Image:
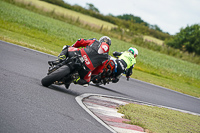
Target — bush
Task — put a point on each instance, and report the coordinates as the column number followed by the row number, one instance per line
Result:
column 188, row 39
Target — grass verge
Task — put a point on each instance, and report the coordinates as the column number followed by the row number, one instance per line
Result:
column 160, row 120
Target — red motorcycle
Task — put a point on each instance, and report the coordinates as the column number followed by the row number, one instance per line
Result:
column 103, row 74
column 61, row 74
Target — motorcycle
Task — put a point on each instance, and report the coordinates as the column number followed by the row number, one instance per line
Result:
column 67, row 71
column 104, row 73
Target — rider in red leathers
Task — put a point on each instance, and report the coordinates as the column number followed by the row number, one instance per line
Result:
column 94, row 53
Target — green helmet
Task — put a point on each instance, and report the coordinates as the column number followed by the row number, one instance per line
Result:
column 134, row 51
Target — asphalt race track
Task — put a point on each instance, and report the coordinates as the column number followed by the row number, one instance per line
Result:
column 28, row 107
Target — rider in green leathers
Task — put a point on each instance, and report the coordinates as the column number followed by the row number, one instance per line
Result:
column 124, row 63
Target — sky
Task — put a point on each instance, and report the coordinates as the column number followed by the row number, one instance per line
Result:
column 169, row 15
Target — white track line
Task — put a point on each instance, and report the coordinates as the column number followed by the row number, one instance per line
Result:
column 79, row 100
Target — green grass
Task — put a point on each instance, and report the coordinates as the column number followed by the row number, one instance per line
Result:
column 47, row 7
column 96, row 25
column 39, row 32
column 160, row 120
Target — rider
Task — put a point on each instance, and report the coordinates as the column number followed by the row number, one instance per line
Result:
column 94, row 53
column 124, row 63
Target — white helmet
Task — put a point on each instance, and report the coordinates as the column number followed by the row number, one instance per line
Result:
column 105, row 39
column 134, row 51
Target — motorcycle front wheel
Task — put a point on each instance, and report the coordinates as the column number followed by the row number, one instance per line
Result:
column 57, row 75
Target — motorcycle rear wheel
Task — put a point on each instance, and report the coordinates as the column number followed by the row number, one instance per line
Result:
column 57, row 75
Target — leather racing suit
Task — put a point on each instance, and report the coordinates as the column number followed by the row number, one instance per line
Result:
column 93, row 52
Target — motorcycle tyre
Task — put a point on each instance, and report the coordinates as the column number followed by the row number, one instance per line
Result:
column 55, row 76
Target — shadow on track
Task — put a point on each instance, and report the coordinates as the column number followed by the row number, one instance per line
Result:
column 75, row 93
column 104, row 88
column 63, row 90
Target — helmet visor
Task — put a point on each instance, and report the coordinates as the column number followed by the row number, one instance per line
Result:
column 131, row 51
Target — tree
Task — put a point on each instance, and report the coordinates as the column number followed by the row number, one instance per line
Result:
column 188, row 39
column 131, row 17
column 155, row 27
column 92, row 7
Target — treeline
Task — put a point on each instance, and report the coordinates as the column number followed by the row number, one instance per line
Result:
column 188, row 39
column 136, row 19
column 135, row 25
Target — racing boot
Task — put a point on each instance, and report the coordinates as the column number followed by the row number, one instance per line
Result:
column 81, row 82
